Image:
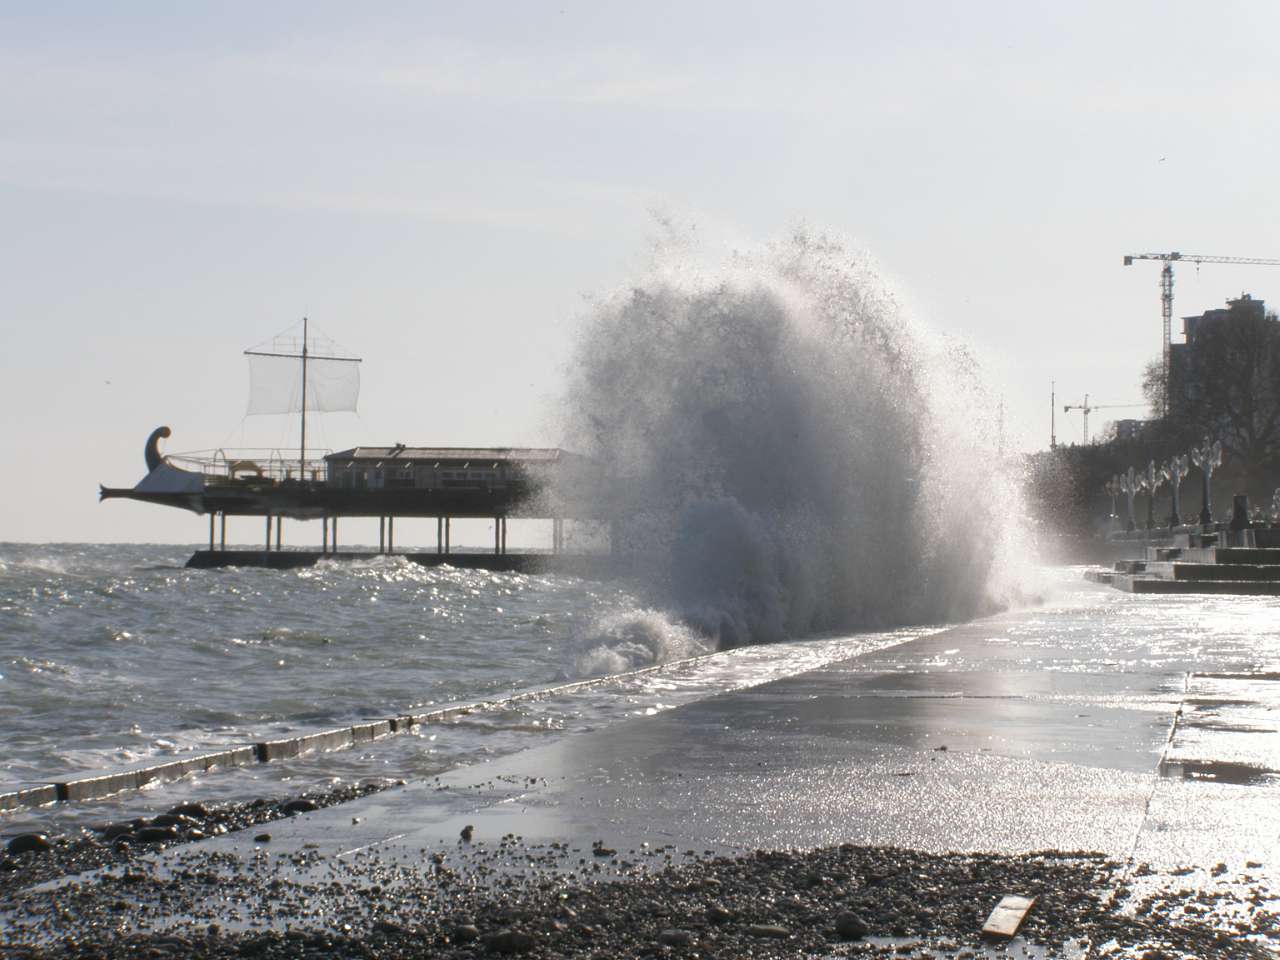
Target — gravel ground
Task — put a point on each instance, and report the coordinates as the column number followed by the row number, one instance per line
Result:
column 506, row 897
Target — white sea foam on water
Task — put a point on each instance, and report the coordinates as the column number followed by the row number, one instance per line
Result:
column 631, row 639
column 786, row 452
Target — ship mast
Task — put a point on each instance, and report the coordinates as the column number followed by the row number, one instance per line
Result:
column 324, row 397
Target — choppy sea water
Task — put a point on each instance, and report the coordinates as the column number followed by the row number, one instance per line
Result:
column 115, row 655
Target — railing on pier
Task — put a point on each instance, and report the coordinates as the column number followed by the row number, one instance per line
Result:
column 261, row 464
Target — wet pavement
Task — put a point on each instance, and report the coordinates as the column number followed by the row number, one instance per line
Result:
column 1143, row 728
column 1084, row 725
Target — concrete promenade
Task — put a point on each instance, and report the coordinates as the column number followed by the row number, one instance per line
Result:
column 1141, row 727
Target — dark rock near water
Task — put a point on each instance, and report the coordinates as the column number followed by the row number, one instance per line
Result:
column 174, row 820
column 29, row 843
column 301, row 805
column 157, row 834
column 850, row 926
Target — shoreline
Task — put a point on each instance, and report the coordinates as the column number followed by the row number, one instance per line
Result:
column 509, row 896
column 912, row 786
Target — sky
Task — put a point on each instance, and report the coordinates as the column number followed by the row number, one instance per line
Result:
column 442, row 188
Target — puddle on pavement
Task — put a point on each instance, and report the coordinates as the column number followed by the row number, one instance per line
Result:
column 1218, row 771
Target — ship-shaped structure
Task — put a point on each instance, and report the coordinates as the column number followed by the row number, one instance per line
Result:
column 384, row 481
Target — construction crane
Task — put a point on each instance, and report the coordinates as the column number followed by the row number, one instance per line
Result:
column 1166, row 295
column 1087, row 408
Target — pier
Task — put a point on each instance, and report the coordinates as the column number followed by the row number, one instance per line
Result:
column 387, row 482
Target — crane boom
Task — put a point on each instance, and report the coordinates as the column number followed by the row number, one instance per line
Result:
column 1199, row 258
column 1166, row 295
column 1087, row 408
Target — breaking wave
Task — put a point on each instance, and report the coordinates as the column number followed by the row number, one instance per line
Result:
column 785, row 452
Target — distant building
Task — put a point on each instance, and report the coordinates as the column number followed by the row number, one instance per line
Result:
column 1128, row 430
column 1183, row 388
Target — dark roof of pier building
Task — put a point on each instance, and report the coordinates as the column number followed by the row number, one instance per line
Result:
column 401, row 451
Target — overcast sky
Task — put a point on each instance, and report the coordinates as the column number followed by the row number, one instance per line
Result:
column 439, row 186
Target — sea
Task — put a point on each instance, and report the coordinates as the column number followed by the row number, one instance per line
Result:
column 115, row 655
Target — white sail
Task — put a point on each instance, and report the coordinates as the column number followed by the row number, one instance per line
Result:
column 275, row 384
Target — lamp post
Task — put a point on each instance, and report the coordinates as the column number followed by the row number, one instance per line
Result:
column 1112, row 487
column 1206, row 457
column 1129, row 486
column 1174, row 472
column 1152, row 480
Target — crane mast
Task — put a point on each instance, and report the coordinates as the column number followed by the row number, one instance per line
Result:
column 1087, row 408
column 1166, row 297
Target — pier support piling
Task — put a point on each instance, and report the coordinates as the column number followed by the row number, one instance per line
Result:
column 391, row 534
column 382, row 535
column 279, row 529
column 211, row 533
column 335, row 534
column 504, row 535
column 268, row 519
column 439, row 535
column 448, row 521
column 222, row 533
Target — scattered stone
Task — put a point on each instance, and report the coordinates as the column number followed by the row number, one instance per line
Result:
column 301, row 805
column 29, row 843
column 262, row 838
column 466, row 833
column 197, row 811
column 466, row 933
column 509, row 941
column 768, row 931
column 672, row 937
column 174, row 820
column 850, row 926
column 156, row 834
column 718, row 913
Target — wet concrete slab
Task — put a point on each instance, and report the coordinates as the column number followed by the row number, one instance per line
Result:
column 949, row 742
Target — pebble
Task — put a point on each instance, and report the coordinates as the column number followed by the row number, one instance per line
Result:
column 768, row 931
column 29, row 843
column 672, row 937
column 718, row 913
column 301, row 805
column 509, row 941
column 850, row 926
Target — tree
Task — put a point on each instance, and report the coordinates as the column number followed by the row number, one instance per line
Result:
column 1226, row 384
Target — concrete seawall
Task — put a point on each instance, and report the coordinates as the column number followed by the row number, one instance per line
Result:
column 99, row 786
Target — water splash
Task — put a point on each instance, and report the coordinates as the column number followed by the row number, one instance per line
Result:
column 632, row 639
column 786, row 452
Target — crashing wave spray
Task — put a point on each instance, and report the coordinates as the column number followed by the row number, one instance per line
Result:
column 785, row 455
